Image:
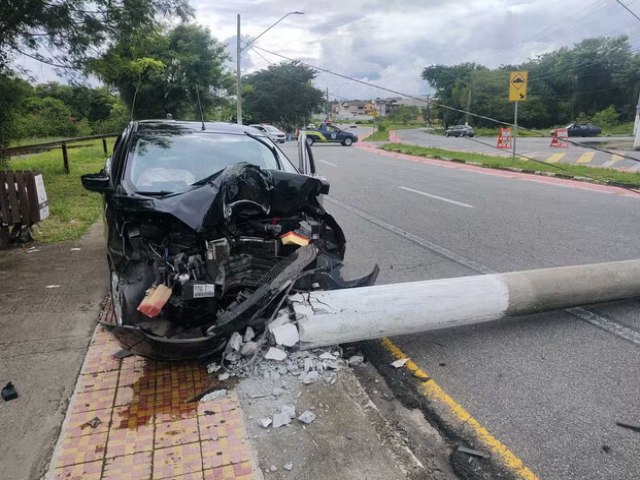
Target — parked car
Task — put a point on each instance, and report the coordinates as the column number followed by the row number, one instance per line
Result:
column 208, row 227
column 580, row 130
column 274, row 133
column 460, row 131
column 330, row 134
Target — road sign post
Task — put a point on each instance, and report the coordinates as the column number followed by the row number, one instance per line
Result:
column 517, row 93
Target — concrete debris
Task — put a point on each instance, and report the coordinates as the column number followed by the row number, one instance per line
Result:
column 308, row 364
column 289, row 410
column 235, row 342
column 249, row 348
column 223, row 376
column 213, row 368
column 280, row 320
column 273, row 468
column 355, row 360
column 265, row 422
column 310, row 377
column 75, row 249
column 249, row 334
column 281, row 419
column 327, row 356
column 331, row 364
column 52, row 286
column 288, row 466
column 275, row 354
column 399, row 363
column 277, row 391
column 286, row 335
column 214, row 395
column 307, row 417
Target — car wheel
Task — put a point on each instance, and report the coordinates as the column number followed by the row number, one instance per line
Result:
column 310, row 141
column 347, row 142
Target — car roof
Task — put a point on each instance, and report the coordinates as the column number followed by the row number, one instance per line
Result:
column 180, row 126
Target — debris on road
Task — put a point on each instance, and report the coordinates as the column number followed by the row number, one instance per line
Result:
column 288, row 466
column 223, row 376
column 472, row 452
column 289, row 410
column 307, row 417
column 235, row 342
column 399, row 363
column 275, row 354
column 286, row 335
column 214, row 395
column 355, row 360
column 635, row 428
column 281, row 419
column 93, row 423
column 120, row 354
column 265, row 422
column 9, row 392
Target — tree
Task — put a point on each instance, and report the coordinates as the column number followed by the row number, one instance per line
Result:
column 163, row 72
column 281, row 94
column 70, row 28
column 404, row 114
column 45, row 117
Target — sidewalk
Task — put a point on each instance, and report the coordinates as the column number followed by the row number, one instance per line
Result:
column 132, row 418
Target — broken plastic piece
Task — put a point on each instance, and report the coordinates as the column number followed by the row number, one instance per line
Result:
column 93, row 423
column 475, row 453
column 9, row 392
column 292, row 238
column 399, row 363
column 156, row 298
column 120, row 354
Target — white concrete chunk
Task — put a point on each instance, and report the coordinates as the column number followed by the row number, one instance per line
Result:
column 286, row 334
column 281, row 419
column 289, row 410
column 307, row 417
column 275, row 354
column 265, row 422
column 355, row 360
column 399, row 363
column 235, row 342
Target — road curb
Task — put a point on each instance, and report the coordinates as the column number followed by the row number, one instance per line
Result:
column 576, row 178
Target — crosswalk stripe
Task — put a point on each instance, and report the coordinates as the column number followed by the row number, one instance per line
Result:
column 586, row 157
column 614, row 159
column 555, row 158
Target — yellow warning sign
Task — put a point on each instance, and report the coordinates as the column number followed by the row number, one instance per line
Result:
column 518, row 86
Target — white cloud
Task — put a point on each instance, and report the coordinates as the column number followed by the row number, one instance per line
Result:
column 389, row 42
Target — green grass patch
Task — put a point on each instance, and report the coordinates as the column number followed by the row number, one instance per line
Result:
column 493, row 132
column 595, row 173
column 382, row 133
column 72, row 208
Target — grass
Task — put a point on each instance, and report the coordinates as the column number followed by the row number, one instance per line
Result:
column 72, row 208
column 383, row 135
column 33, row 141
column 602, row 174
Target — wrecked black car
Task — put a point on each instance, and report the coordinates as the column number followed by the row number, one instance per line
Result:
column 209, row 227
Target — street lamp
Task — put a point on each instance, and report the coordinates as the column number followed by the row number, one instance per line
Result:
column 239, row 53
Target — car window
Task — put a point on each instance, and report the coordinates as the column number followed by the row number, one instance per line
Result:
column 271, row 128
column 170, row 162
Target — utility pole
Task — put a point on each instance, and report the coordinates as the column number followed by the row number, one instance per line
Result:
column 515, row 130
column 469, row 103
column 354, row 314
column 238, row 86
column 636, row 127
column 327, row 108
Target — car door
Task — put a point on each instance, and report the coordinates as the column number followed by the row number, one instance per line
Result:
column 306, row 163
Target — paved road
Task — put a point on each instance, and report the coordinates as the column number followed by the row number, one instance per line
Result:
column 537, row 148
column 549, row 386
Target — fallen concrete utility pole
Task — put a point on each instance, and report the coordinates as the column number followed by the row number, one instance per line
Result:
column 340, row 316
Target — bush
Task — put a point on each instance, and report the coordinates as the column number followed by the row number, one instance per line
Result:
column 45, row 117
column 607, row 117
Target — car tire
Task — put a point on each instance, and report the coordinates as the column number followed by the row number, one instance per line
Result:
column 310, row 141
column 347, row 142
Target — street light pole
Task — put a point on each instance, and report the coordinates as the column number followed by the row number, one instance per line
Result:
column 238, row 85
column 239, row 50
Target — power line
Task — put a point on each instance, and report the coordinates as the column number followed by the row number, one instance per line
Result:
column 628, row 9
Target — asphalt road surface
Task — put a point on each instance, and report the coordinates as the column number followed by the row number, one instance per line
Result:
column 551, row 386
column 537, row 148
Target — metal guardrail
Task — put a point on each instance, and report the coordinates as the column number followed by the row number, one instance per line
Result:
column 47, row 146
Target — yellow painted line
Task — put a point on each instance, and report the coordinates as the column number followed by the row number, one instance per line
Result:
column 555, row 158
column 431, row 390
column 586, row 157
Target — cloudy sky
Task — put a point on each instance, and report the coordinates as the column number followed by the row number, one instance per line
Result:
column 389, row 42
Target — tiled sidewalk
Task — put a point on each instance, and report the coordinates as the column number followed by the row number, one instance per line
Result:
column 147, row 430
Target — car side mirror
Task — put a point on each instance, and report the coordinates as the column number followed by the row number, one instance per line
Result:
column 97, row 182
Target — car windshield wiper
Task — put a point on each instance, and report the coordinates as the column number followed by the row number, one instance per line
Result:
column 160, row 193
column 270, row 147
column 207, row 179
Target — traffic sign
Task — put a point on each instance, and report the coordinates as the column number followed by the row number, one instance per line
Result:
column 518, row 86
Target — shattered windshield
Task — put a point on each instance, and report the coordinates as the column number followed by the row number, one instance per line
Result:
column 168, row 162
